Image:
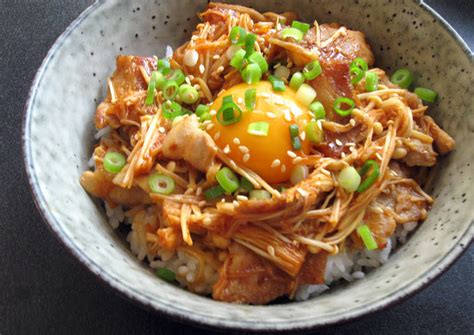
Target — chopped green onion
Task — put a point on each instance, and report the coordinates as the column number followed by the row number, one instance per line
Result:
column 163, row 66
column 402, row 78
column 166, row 274
column 205, row 116
column 250, row 99
column 312, row 70
column 150, row 94
column 282, row 72
column 250, row 44
column 161, row 184
column 258, row 128
column 258, row 59
column 305, row 94
column 297, row 79
column 171, row 110
column 114, row 162
column 160, row 81
column 426, row 94
column 178, row 76
column 214, row 192
column 277, row 84
column 342, row 100
column 296, row 143
column 367, row 237
column 301, row 26
column 294, row 33
column 226, row 114
column 318, row 110
column 356, row 74
column 259, row 195
column 314, row 132
column 245, row 184
column 360, row 63
column 371, row 178
column 170, row 89
column 237, row 35
column 238, row 59
column 188, row 94
column 371, row 81
column 294, row 130
column 252, row 74
column 227, row 179
column 299, row 173
column 201, row 109
column 349, row 179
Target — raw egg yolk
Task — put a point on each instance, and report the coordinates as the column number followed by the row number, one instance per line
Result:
column 270, row 156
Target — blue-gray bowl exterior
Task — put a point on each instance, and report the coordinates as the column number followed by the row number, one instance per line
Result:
column 58, row 138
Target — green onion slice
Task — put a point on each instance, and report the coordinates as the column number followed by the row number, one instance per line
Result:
column 426, row 94
column 166, row 274
column 299, row 173
column 250, row 99
column 314, row 132
column 205, row 116
column 237, row 59
column 171, row 110
column 360, row 63
column 258, row 128
column 318, row 110
column 371, row 178
column 250, row 44
column 257, row 58
column 163, row 66
column 237, row 35
column 201, row 109
column 161, row 184
column 227, row 180
column 349, row 179
column 402, row 78
column 245, row 184
column 294, row 130
column 259, row 195
column 296, row 143
column 170, row 89
column 356, row 74
column 214, row 192
column 312, row 70
column 294, row 33
column 178, row 76
column 226, row 115
column 301, row 26
column 277, row 84
column 160, row 81
column 367, row 237
column 252, row 74
column 305, row 94
column 150, row 94
column 188, row 94
column 297, row 79
column 114, row 162
column 371, row 81
column 338, row 106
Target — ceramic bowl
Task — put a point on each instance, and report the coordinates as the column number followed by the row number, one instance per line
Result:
column 59, row 134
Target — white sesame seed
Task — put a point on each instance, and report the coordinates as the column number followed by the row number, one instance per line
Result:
column 235, row 203
column 343, row 155
column 283, row 168
column 246, row 157
column 243, row 149
column 241, row 197
column 191, row 77
column 217, row 135
column 201, row 69
column 161, row 130
column 199, row 191
column 297, row 160
column 240, row 100
column 287, row 115
column 226, row 149
column 265, row 95
column 216, row 56
column 303, row 135
column 379, row 156
column 271, row 115
column 220, row 69
column 271, row 250
column 187, row 80
column 213, row 112
column 236, row 140
column 352, row 122
column 222, row 200
column 339, row 143
column 209, row 126
column 276, row 65
column 320, row 124
column 352, row 149
column 232, row 164
column 275, row 163
column 196, row 86
column 291, row 154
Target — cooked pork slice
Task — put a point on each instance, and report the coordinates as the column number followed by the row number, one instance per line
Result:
column 187, row 141
column 419, row 153
column 247, row 278
column 312, row 271
column 443, row 142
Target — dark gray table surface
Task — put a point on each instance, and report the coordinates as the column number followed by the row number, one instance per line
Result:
column 44, row 290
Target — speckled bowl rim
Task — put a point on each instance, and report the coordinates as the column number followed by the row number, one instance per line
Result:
column 173, row 311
